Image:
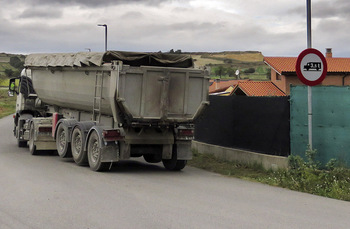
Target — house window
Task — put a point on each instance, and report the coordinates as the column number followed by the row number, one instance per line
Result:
column 278, row 76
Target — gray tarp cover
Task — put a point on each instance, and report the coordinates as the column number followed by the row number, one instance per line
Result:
column 98, row 58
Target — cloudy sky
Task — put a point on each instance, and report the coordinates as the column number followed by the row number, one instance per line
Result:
column 274, row 27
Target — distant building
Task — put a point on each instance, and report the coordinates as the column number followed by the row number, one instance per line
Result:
column 249, row 88
column 283, row 72
column 218, row 85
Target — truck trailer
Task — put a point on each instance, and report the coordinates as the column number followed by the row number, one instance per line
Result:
column 100, row 108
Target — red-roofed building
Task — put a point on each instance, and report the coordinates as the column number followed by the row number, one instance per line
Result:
column 283, row 72
column 257, row 88
column 222, row 85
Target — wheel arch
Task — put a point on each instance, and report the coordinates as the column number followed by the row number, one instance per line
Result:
column 69, row 123
column 98, row 130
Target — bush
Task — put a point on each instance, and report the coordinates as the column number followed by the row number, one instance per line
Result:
column 249, row 71
column 306, row 176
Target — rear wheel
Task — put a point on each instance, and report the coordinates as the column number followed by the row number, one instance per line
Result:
column 32, row 147
column 77, row 147
column 94, row 154
column 63, row 146
column 152, row 158
column 173, row 164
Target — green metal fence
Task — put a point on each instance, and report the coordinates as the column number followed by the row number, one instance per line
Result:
column 331, row 122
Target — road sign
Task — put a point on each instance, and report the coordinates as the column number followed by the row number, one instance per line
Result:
column 311, row 67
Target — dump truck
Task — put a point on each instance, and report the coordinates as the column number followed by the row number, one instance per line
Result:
column 100, row 108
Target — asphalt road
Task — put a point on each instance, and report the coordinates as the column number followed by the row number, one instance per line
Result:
column 49, row 192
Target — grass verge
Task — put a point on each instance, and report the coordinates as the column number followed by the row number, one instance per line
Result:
column 7, row 104
column 303, row 176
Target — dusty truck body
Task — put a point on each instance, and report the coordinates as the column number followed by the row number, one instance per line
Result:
column 103, row 107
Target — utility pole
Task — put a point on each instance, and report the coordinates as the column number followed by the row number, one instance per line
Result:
column 104, row 25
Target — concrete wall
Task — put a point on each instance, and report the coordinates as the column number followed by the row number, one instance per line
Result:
column 241, row 156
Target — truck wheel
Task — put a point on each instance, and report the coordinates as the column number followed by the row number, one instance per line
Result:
column 94, row 154
column 77, row 147
column 63, row 147
column 32, row 147
column 173, row 164
column 152, row 158
column 21, row 143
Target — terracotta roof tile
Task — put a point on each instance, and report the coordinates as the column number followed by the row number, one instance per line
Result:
column 222, row 85
column 259, row 88
column 287, row 64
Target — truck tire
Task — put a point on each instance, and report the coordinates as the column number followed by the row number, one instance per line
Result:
column 62, row 142
column 152, row 158
column 77, row 147
column 32, row 147
column 20, row 143
column 173, row 164
column 94, row 154
column 26, row 86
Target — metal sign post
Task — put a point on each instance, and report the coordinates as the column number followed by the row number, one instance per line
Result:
column 311, row 69
column 309, row 91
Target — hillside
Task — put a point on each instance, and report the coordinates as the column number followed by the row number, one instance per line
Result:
column 10, row 66
column 224, row 64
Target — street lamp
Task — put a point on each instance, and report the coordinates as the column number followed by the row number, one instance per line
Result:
column 104, row 25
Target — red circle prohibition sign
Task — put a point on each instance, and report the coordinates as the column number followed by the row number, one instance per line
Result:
column 311, row 67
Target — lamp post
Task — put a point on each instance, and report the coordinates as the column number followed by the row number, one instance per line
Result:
column 104, row 25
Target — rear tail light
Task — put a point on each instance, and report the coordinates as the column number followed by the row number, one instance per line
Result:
column 112, row 135
column 185, row 134
column 55, row 118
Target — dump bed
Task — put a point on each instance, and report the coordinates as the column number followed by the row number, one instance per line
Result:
column 158, row 93
column 141, row 87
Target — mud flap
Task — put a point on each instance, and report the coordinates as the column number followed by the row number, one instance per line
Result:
column 110, row 153
column 184, row 150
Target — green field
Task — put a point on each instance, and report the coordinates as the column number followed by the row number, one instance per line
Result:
column 232, row 61
column 7, row 104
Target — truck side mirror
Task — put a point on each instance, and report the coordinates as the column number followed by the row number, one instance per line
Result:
column 13, row 87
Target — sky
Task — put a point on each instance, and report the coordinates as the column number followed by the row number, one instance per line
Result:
column 273, row 27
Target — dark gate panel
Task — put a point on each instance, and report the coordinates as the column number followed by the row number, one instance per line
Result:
column 259, row 124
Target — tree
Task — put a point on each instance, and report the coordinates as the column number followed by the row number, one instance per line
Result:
column 219, row 71
column 16, row 62
column 9, row 73
column 231, row 72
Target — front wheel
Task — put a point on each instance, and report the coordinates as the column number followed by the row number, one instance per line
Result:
column 32, row 146
column 20, row 143
column 94, row 154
